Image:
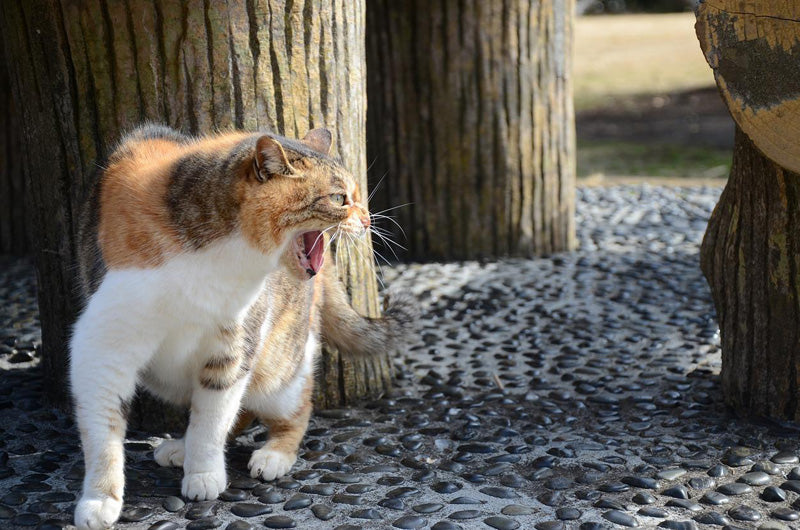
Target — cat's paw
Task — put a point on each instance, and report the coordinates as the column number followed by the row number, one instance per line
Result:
column 97, row 512
column 204, row 486
column 170, row 453
column 270, row 464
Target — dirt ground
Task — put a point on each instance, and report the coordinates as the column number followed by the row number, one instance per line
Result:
column 692, row 118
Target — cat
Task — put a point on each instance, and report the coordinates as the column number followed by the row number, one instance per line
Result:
column 204, row 277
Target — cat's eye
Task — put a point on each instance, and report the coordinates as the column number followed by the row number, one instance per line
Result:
column 337, row 199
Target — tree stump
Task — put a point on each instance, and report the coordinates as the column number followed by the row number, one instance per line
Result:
column 751, row 251
column 85, row 71
column 470, row 119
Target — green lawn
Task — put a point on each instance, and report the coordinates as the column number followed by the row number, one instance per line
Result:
column 621, row 60
column 610, row 158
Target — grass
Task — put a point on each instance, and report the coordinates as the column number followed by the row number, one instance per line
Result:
column 619, row 59
column 610, row 158
column 625, row 55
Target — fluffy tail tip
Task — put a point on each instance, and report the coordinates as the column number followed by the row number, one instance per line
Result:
column 402, row 311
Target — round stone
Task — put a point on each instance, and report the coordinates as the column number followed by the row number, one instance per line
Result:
column 250, row 509
column 501, row 523
column 773, row 494
column 744, row 513
column 718, row 471
column 678, row 525
column 621, row 518
column 322, row 512
column 26, row 519
column 676, row 492
column 319, row 489
column 671, row 474
column 517, row 509
column 134, row 515
column 642, row 482
column 712, row 518
column 204, row 523
column 735, row 488
column 279, row 521
column 233, row 495
column 785, row 457
column 500, row 493
column 244, row 483
column 298, row 501
column 392, row 504
column 240, row 525
column 754, row 478
column 550, row 525
column 445, row 525
column 410, row 522
column 568, row 514
column 427, row 507
column 200, row 510
column 446, row 487
column 164, row 525
column 272, row 497
column 366, row 513
column 786, row 514
column 465, row 514
column 686, row 504
column 652, row 511
column 644, row 498
column 715, row 498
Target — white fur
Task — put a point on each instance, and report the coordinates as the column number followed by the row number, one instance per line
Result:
column 285, row 402
column 161, row 323
column 267, row 462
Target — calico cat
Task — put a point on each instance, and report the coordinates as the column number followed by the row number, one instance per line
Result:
column 203, row 272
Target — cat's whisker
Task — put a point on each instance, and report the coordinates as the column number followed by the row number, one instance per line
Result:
column 385, row 240
column 369, row 198
column 393, row 208
column 392, row 219
column 385, row 236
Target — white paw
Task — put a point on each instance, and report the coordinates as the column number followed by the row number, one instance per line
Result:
column 97, row 513
column 170, row 453
column 270, row 464
column 204, row 486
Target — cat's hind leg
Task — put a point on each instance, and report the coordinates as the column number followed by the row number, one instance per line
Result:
column 170, row 453
column 286, row 417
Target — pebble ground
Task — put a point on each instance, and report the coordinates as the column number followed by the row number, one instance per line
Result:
column 579, row 390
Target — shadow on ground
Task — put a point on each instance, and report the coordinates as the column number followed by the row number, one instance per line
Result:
column 574, row 391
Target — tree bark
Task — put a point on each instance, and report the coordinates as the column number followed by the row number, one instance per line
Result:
column 751, row 252
column 471, row 122
column 13, row 234
column 751, row 258
column 88, row 70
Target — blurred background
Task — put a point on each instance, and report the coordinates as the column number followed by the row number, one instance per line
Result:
column 646, row 104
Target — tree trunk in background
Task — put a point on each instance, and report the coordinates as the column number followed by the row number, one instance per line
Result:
column 751, row 252
column 751, row 258
column 470, row 118
column 88, row 70
column 13, row 231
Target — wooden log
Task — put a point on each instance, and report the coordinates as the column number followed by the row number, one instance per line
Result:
column 88, row 70
column 751, row 251
column 470, row 119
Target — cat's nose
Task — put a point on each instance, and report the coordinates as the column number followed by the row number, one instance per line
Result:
column 364, row 220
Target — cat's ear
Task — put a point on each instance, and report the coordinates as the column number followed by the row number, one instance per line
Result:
column 271, row 159
column 319, row 140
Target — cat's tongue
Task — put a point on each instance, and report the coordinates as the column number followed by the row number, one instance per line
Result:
column 314, row 247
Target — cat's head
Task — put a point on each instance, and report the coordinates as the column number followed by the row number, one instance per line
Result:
column 294, row 193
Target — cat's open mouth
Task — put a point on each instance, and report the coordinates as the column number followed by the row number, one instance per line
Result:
column 309, row 247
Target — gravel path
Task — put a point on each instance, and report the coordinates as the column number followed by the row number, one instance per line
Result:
column 575, row 391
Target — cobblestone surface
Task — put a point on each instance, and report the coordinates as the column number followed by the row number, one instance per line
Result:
column 574, row 391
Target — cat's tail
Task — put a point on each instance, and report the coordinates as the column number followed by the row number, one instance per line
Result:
column 346, row 330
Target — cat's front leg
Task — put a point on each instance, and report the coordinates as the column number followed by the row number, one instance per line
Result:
column 215, row 403
column 103, row 365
